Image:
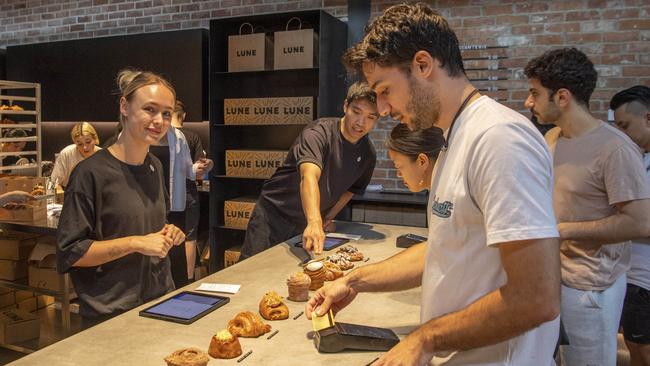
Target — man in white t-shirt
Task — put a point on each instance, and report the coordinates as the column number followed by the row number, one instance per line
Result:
column 632, row 114
column 600, row 200
column 490, row 271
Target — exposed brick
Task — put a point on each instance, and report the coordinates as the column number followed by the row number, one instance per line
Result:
column 180, row 16
column 265, row 8
column 172, row 26
column 133, row 13
column 143, row 4
column 135, row 29
column 512, row 19
column 618, row 59
column 636, row 70
column 598, row 26
column 242, row 10
column 621, row 36
column 466, row 11
column 143, row 20
column 151, row 11
column 77, row 27
column 583, row 38
column 221, row 13
column 478, row 21
column 190, row 7
column 549, row 39
column 230, row 3
column 328, row 3
column 531, row 7
column 620, row 13
column 582, row 15
column 201, row 15
column 547, row 18
column 116, row 15
column 153, row 28
column 634, row 24
column 497, row 9
column 563, row 27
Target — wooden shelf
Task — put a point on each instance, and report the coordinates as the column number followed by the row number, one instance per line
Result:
column 24, row 113
column 17, row 98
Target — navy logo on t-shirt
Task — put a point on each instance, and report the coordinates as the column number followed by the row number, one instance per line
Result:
column 441, row 209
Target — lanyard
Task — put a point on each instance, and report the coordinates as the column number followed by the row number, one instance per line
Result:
column 460, row 110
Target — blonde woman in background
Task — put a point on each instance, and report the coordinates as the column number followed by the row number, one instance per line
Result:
column 85, row 141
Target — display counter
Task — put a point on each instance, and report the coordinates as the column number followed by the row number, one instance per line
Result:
column 133, row 340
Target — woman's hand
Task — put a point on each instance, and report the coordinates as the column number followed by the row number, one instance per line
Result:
column 154, row 244
column 174, row 234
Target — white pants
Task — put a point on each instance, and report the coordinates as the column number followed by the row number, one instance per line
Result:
column 591, row 321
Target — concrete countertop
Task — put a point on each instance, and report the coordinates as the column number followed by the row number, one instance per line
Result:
column 133, row 340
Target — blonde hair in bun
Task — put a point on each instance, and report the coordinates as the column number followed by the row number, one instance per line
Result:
column 130, row 80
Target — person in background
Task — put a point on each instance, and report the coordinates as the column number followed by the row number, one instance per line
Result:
column 490, row 271
column 632, row 115
column 174, row 154
column 331, row 160
column 113, row 238
column 13, row 146
column 192, row 207
column 85, row 141
column 414, row 154
column 600, row 198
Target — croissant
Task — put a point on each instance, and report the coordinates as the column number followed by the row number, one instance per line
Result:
column 272, row 307
column 248, row 325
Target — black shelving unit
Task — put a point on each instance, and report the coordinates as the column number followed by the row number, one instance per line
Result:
column 325, row 82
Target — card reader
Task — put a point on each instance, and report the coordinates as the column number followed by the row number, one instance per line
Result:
column 343, row 336
column 407, row 240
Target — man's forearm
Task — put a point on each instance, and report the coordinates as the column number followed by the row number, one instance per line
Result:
column 343, row 200
column 310, row 198
column 609, row 230
column 399, row 272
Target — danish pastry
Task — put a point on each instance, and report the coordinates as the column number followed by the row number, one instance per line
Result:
column 248, row 325
column 272, row 307
column 332, row 271
column 187, row 357
column 341, row 260
column 224, row 345
column 352, row 252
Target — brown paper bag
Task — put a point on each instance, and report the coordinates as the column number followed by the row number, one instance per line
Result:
column 246, row 52
column 294, row 49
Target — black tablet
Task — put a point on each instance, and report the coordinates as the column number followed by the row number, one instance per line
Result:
column 330, row 243
column 185, row 307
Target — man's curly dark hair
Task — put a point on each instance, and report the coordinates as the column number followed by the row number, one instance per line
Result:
column 566, row 68
column 393, row 38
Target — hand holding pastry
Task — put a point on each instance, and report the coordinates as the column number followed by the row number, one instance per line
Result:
column 334, row 295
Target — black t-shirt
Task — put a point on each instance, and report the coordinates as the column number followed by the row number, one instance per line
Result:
column 108, row 199
column 194, row 142
column 344, row 167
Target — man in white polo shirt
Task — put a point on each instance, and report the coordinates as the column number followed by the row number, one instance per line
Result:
column 490, row 271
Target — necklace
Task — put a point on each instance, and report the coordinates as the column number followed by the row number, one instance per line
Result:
column 460, row 110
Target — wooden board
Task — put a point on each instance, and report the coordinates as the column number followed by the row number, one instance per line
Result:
column 253, row 163
column 286, row 110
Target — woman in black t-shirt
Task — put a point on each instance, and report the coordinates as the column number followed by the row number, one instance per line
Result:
column 113, row 238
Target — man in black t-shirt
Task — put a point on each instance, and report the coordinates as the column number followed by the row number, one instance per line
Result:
column 330, row 161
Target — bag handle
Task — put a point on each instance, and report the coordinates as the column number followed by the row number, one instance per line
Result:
column 299, row 23
column 249, row 24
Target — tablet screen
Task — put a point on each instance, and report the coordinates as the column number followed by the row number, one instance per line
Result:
column 331, row 243
column 186, row 305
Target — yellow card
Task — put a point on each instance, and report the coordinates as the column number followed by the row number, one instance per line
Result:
column 322, row 322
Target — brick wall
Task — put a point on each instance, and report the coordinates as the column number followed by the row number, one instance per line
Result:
column 615, row 34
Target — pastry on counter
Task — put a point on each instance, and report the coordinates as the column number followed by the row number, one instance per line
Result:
column 248, row 325
column 341, row 260
column 316, row 271
column 38, row 191
column 332, row 271
column 188, row 357
column 224, row 345
column 272, row 307
column 298, row 284
column 352, row 252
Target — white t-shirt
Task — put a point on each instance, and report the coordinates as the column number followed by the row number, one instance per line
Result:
column 68, row 158
column 639, row 273
column 493, row 185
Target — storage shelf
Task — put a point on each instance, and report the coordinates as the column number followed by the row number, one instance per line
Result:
column 17, row 98
column 22, row 284
column 18, row 167
column 264, row 72
column 24, row 113
column 223, row 176
column 18, row 125
column 18, row 139
column 18, row 153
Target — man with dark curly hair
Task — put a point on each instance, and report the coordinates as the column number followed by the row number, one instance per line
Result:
column 600, row 200
column 490, row 272
column 632, row 115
